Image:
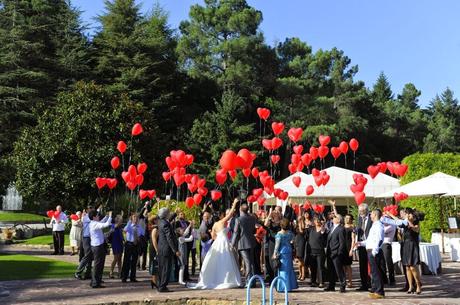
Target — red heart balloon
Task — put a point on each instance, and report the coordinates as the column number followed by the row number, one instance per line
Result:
column 257, row 192
column 112, row 183
column 309, row 190
column 246, row 172
column 216, row 195
column 298, row 149
column 139, row 179
column 125, row 176
column 221, row 176
column 335, row 152
column 373, row 170
column 100, row 182
column 121, row 146
column 267, row 144
column 357, row 187
column 201, row 182
column 314, row 153
column 260, row 201
column 189, row 202
column 131, row 185
column 354, row 144
column 359, row 197
column 383, row 167
column 318, row 180
column 343, row 146
column 141, row 168
column 325, row 178
column 50, row 213
column 296, row 159
column 292, row 168
column 275, row 159
column 132, row 171
column 143, row 194
column 56, row 214
column 232, row 174
column 166, row 176
column 324, row 140
column 284, row 195
column 306, row 159
column 246, row 157
column 296, row 180
column 170, row 163
column 115, row 162
column 151, row 194
column 74, row 217
column 197, row 198
column 203, row 191
column 179, row 179
column 315, row 172
column 228, row 161
column 263, row 113
column 137, row 130
column 276, row 143
column 255, row 172
column 323, row 151
column 307, row 205
column 192, row 187
column 189, row 159
column 295, row 134
column 277, row 128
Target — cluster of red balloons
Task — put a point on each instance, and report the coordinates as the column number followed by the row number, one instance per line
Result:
column 358, row 188
column 134, row 176
column 53, row 213
column 320, row 177
column 393, row 209
column 111, row 183
column 400, row 196
column 395, row 168
column 318, row 208
column 74, row 217
column 146, row 193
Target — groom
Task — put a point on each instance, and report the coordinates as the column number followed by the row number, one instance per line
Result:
column 244, row 239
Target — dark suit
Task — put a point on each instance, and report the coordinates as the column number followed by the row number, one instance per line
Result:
column 244, row 240
column 362, row 253
column 185, row 256
column 336, row 251
column 167, row 248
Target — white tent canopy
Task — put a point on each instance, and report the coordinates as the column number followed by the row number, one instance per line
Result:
column 338, row 185
column 436, row 184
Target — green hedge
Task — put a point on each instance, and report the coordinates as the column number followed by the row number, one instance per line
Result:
column 420, row 166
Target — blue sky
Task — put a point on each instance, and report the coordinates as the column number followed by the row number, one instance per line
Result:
column 414, row 41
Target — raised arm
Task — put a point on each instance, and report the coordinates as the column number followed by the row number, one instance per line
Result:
column 227, row 217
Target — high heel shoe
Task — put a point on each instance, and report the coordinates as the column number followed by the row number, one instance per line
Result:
column 153, row 285
column 411, row 290
column 419, row 289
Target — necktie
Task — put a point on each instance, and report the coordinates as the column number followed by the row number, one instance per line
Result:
column 136, row 235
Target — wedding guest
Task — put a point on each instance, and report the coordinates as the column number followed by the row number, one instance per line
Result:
column 362, row 231
column 350, row 238
column 182, row 223
column 75, row 234
column 133, row 232
column 193, row 250
column 272, row 227
column 373, row 243
column 205, row 234
column 143, row 238
column 116, row 240
column 260, row 235
column 411, row 250
column 153, row 260
column 389, row 234
column 98, row 245
column 283, row 252
column 300, row 241
column 58, row 222
column 336, row 251
column 86, row 261
column 317, row 240
column 183, row 237
column 167, row 248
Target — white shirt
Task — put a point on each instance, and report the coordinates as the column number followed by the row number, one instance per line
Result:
column 389, row 233
column 375, row 239
column 59, row 222
column 86, row 221
column 95, row 231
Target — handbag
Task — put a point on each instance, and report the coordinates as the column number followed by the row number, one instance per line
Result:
column 276, row 264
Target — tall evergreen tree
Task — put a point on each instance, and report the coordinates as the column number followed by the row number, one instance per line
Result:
column 443, row 124
column 42, row 50
column 222, row 42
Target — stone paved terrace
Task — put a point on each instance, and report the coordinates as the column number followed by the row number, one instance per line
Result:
column 443, row 289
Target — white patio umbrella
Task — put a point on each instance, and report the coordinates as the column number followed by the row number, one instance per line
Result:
column 435, row 185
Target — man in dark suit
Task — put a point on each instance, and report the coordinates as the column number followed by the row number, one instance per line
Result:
column 364, row 226
column 244, row 239
column 167, row 248
column 336, row 250
column 182, row 223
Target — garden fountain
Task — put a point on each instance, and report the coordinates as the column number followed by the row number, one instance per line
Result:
column 12, row 201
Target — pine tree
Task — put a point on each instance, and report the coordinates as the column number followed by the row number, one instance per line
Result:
column 37, row 41
column 443, row 124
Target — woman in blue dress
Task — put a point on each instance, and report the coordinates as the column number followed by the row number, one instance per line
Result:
column 283, row 251
column 117, row 241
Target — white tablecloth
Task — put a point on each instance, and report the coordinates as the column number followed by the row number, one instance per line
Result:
column 455, row 249
column 429, row 255
column 436, row 238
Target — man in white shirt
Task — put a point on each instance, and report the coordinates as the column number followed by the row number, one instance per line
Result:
column 98, row 245
column 364, row 225
column 58, row 222
column 133, row 232
column 373, row 245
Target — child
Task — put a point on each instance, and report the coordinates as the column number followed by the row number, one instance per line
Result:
column 181, row 233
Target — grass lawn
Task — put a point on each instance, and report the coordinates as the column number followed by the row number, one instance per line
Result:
column 21, row 267
column 9, row 216
column 44, row 240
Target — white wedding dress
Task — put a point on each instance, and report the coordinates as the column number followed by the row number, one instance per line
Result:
column 219, row 270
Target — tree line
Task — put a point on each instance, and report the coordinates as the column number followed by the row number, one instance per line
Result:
column 65, row 98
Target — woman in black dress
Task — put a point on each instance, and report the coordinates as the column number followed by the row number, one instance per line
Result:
column 300, row 246
column 272, row 226
column 350, row 239
column 411, row 250
column 317, row 241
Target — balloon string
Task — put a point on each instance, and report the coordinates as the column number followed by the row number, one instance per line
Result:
column 123, row 161
column 354, row 160
column 345, row 160
column 132, row 148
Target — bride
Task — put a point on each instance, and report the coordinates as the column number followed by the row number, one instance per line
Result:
column 220, row 269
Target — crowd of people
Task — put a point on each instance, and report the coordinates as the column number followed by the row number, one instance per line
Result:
column 228, row 244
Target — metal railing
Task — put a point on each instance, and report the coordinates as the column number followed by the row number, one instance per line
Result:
column 258, row 277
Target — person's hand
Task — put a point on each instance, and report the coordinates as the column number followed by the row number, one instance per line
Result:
column 332, row 202
column 350, row 254
column 177, row 210
column 177, row 253
column 157, row 199
column 110, row 213
column 235, row 202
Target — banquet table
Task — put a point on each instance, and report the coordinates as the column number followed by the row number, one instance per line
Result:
column 455, row 249
column 429, row 255
column 436, row 238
